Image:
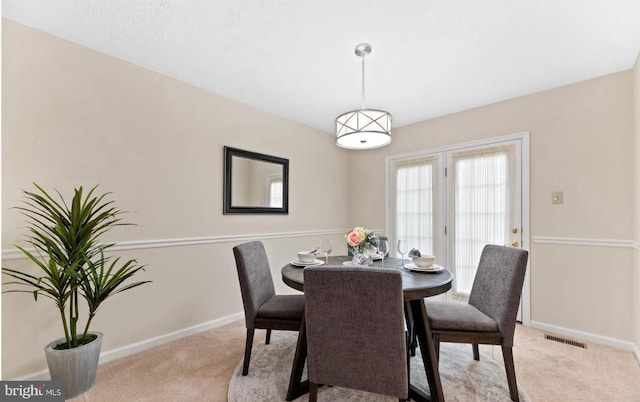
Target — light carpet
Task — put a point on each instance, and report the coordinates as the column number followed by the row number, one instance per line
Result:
column 463, row 379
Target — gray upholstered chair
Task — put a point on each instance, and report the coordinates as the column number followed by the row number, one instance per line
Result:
column 355, row 330
column 490, row 315
column 263, row 309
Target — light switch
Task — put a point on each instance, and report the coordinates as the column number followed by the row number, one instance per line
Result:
column 556, row 197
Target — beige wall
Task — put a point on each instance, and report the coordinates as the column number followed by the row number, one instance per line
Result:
column 636, row 203
column 72, row 116
column 580, row 143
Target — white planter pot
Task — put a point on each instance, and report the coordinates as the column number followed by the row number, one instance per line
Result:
column 76, row 367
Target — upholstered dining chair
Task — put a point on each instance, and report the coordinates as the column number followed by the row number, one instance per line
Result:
column 490, row 315
column 355, row 330
column 263, row 309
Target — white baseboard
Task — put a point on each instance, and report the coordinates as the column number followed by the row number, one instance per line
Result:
column 586, row 336
column 43, row 375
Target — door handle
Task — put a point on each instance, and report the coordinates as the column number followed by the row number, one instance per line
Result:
column 515, row 243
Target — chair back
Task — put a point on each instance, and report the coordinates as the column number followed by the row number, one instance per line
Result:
column 497, row 286
column 256, row 283
column 355, row 328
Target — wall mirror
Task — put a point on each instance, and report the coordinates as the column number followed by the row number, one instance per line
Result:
column 255, row 183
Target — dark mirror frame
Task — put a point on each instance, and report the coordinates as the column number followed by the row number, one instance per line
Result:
column 229, row 208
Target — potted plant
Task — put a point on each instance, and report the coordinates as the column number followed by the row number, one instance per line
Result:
column 75, row 273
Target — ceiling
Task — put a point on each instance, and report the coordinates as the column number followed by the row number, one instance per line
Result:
column 296, row 58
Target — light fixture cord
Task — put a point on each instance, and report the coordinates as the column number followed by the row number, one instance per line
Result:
column 363, row 81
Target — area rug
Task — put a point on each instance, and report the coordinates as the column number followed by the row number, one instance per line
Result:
column 463, row 379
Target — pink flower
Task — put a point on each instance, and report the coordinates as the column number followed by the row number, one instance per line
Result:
column 353, row 238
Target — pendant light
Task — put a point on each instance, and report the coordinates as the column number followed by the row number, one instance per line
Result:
column 363, row 128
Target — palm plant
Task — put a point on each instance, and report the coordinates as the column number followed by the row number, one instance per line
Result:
column 70, row 256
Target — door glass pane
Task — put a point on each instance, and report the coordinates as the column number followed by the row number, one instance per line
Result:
column 415, row 216
column 481, row 208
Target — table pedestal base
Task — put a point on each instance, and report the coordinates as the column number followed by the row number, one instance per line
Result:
column 297, row 387
column 420, row 324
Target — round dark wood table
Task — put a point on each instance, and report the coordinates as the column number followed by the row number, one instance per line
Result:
column 416, row 286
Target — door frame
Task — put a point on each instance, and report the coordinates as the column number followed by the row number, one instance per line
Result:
column 523, row 137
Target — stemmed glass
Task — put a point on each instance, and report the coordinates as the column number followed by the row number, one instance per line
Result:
column 383, row 248
column 325, row 248
column 402, row 249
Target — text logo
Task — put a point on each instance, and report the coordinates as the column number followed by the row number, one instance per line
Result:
column 40, row 391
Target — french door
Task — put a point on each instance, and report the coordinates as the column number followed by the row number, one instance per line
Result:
column 450, row 202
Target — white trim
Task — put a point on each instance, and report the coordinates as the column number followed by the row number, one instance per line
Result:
column 456, row 147
column 144, row 345
column 588, row 337
column 162, row 339
column 14, row 254
column 524, row 223
column 575, row 241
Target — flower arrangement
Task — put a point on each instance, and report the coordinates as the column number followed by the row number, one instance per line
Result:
column 360, row 238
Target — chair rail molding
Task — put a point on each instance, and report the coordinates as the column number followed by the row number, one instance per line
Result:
column 577, row 241
column 14, row 254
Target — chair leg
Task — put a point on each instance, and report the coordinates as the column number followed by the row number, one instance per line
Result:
column 247, row 351
column 313, row 392
column 436, row 345
column 407, row 341
column 476, row 352
column 268, row 338
column 507, row 353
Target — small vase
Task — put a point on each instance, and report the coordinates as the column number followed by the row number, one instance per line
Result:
column 361, row 254
column 361, row 259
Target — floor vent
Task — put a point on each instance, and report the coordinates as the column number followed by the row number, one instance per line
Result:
column 565, row 341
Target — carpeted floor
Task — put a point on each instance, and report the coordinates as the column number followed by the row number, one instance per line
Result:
column 463, row 379
column 199, row 368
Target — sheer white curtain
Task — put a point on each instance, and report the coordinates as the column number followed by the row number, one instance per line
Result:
column 414, row 203
column 482, row 194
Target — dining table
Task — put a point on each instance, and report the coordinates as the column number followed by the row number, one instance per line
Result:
column 416, row 286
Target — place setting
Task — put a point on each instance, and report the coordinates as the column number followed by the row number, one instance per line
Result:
column 310, row 258
column 422, row 263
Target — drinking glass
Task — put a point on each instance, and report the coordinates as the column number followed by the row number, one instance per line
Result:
column 402, row 249
column 326, row 249
column 383, row 248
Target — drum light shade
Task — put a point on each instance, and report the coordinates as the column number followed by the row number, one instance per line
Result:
column 364, row 128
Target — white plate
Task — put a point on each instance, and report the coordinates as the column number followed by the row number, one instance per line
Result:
column 297, row 263
column 376, row 257
column 433, row 268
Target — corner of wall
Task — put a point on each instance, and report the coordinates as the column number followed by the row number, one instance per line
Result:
column 636, row 201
